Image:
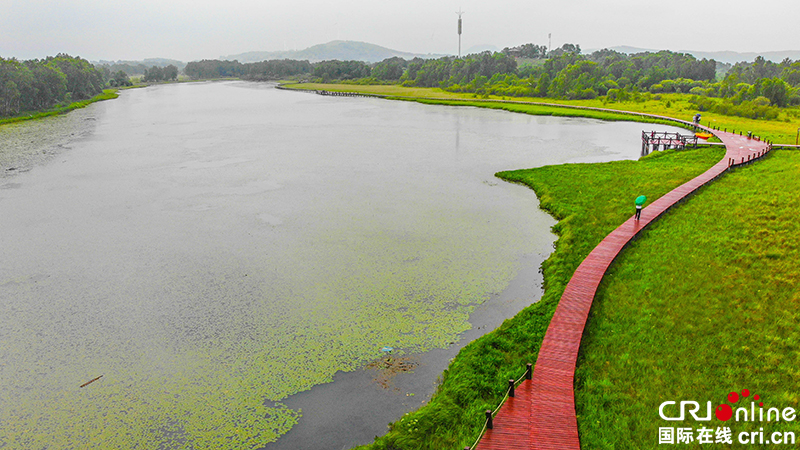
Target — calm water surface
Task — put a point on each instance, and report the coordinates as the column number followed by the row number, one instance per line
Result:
column 221, row 252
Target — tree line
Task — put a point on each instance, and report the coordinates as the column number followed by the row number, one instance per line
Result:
column 43, row 83
column 748, row 89
column 259, row 71
column 751, row 90
column 566, row 73
column 169, row 73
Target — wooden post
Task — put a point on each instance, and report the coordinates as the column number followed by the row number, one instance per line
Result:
column 529, row 373
column 489, row 423
column 511, row 387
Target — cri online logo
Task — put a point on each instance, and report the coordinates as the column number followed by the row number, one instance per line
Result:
column 725, row 412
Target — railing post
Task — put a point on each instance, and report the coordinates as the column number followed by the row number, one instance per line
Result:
column 511, row 387
column 489, row 423
column 529, row 372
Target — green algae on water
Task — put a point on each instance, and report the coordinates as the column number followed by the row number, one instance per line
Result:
column 213, row 376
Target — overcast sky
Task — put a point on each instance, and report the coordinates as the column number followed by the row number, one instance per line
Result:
column 190, row 30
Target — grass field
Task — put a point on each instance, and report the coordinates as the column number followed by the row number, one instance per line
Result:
column 704, row 303
column 589, row 200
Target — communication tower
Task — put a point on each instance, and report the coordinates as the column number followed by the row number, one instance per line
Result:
column 460, row 13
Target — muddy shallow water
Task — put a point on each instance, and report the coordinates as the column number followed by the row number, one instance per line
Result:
column 221, row 252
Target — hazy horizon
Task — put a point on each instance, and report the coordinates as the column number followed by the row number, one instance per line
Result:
column 202, row 29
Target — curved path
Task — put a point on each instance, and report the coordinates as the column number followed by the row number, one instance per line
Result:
column 542, row 414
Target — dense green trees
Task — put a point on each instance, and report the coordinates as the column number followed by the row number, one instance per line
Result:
column 390, row 69
column 530, row 51
column 275, row 69
column 211, row 68
column 40, row 84
column 260, row 71
column 119, row 79
column 156, row 73
column 341, row 70
column 450, row 71
column 568, row 74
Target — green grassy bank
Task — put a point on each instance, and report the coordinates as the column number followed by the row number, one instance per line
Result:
column 589, row 200
column 782, row 131
column 704, row 303
column 543, row 110
column 107, row 94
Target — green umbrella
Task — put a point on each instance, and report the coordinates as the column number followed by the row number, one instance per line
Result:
column 640, row 200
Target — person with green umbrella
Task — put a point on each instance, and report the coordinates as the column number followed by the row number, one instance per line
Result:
column 639, row 203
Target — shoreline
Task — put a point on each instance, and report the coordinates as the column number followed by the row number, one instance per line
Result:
column 107, row 94
column 110, row 93
column 545, row 108
column 780, row 131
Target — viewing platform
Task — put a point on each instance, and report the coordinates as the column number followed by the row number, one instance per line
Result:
column 662, row 140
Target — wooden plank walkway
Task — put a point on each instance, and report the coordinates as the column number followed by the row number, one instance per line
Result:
column 542, row 415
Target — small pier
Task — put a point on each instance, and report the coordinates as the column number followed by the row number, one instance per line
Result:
column 346, row 94
column 662, row 140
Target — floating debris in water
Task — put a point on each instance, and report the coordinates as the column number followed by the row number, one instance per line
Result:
column 388, row 368
column 91, row 381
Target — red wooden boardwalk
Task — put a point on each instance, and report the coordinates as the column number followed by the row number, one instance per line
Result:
column 542, row 415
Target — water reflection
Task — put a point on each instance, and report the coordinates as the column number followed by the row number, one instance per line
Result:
column 212, row 249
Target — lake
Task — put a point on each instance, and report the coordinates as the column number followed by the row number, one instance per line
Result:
column 231, row 257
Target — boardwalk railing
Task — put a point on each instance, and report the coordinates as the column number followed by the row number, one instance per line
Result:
column 652, row 140
column 512, row 384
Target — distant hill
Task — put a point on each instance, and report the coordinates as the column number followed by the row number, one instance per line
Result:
column 341, row 50
column 724, row 56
